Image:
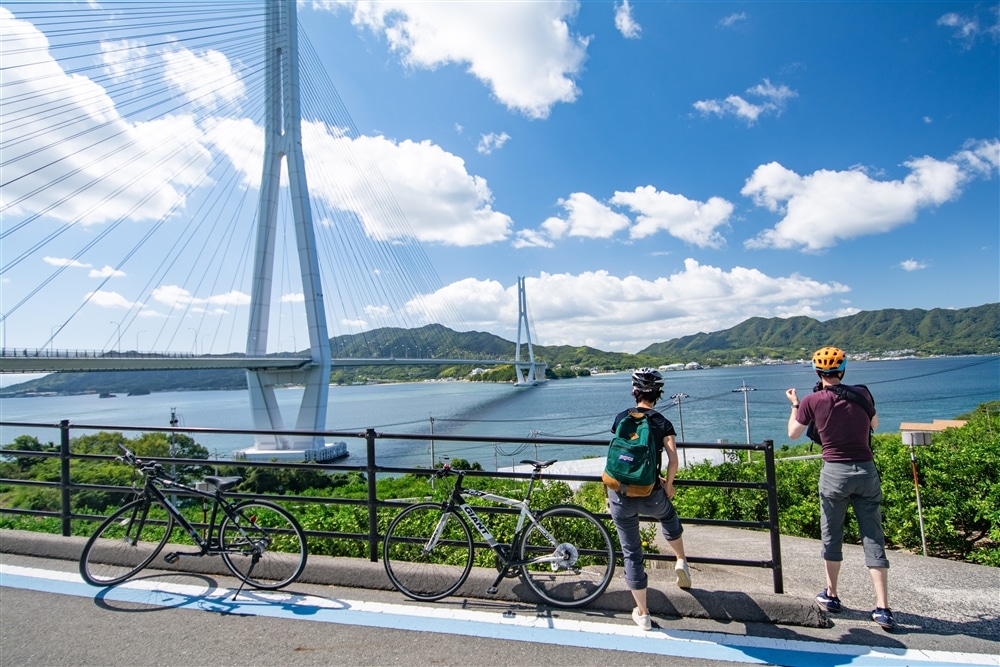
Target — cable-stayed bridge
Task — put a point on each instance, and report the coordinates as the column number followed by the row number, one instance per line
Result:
column 174, row 165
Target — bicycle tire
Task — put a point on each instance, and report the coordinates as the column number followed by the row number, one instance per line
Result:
column 127, row 541
column 269, row 532
column 587, row 560
column 422, row 575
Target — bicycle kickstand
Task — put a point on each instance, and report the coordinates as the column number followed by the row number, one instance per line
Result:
column 243, row 582
column 492, row 590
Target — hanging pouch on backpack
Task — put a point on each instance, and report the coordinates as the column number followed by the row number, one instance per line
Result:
column 631, row 466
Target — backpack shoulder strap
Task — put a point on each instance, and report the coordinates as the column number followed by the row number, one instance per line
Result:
column 853, row 396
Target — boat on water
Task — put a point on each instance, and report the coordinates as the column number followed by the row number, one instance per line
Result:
column 139, row 392
column 106, row 394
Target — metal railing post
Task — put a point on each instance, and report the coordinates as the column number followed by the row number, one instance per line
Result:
column 372, row 496
column 772, row 516
column 64, row 510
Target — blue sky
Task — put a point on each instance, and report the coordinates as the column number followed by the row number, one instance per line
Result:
column 654, row 169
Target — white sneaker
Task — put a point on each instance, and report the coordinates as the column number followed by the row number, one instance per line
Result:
column 683, row 574
column 644, row 622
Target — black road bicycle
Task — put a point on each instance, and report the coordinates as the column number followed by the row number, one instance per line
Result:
column 259, row 541
column 563, row 553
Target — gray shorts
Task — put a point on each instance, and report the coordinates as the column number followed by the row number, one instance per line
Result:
column 857, row 485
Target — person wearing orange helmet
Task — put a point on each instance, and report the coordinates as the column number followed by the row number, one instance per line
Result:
column 844, row 417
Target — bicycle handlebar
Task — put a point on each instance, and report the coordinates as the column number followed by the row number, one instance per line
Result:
column 144, row 467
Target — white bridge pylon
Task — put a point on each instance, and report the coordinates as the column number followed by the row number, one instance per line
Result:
column 283, row 141
column 527, row 372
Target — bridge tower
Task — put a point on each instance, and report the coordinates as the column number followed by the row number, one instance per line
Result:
column 283, row 142
column 526, row 371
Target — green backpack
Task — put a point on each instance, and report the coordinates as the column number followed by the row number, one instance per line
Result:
column 631, row 466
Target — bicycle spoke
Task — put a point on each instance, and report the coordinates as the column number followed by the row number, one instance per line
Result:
column 427, row 558
column 263, row 545
column 578, row 568
column 125, row 543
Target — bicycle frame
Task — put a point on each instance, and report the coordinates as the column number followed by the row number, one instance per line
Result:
column 208, row 545
column 457, row 499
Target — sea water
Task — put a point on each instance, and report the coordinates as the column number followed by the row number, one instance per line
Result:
column 716, row 405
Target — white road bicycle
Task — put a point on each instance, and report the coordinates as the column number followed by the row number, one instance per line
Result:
column 563, row 553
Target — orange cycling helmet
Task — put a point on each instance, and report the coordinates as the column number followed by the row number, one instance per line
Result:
column 829, row 360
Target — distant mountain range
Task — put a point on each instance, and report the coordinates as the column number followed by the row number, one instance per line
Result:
column 921, row 332
column 925, row 332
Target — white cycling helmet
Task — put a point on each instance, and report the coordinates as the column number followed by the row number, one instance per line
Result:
column 647, row 379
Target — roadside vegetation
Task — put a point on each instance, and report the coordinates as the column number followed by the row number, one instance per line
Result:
column 958, row 476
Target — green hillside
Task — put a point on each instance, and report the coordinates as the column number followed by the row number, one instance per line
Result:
column 923, row 332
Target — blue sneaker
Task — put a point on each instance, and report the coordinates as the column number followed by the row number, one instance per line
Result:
column 883, row 616
column 829, row 602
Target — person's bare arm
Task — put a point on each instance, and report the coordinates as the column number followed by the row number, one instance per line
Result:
column 670, row 447
column 795, row 429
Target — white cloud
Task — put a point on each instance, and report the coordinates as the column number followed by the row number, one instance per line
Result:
column 774, row 99
column 297, row 297
column 825, row 207
column 124, row 60
column 912, row 265
column 106, row 299
column 968, row 29
column 692, row 221
column 530, row 238
column 576, row 309
column 524, row 52
column 175, row 296
column 127, row 163
column 585, row 217
column 733, row 20
column 206, row 79
column 656, row 211
column 106, row 272
column 624, row 22
column 63, row 261
column 439, row 201
column 492, row 141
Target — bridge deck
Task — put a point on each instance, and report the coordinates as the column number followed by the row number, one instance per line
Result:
column 61, row 361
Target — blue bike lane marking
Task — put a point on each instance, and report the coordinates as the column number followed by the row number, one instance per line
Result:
column 486, row 624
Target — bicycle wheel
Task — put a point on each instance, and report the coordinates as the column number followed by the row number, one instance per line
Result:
column 263, row 544
column 126, row 542
column 578, row 566
column 422, row 570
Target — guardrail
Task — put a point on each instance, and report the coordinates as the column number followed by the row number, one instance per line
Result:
column 372, row 470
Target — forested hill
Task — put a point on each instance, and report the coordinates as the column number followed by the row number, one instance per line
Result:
column 938, row 331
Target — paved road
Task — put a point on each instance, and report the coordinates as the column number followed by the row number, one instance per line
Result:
column 49, row 617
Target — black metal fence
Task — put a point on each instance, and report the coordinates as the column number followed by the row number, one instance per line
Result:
column 372, row 470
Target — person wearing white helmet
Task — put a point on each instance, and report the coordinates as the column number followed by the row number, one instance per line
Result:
column 647, row 389
column 844, row 417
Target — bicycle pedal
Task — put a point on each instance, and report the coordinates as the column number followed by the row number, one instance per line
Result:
column 492, row 590
column 172, row 558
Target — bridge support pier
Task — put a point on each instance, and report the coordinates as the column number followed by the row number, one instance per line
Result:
column 283, row 141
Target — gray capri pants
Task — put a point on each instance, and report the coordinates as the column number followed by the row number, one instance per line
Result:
column 858, row 485
column 625, row 512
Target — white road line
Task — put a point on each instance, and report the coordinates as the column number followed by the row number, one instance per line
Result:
column 489, row 624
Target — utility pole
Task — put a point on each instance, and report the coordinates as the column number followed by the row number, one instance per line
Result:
column 680, row 417
column 746, row 411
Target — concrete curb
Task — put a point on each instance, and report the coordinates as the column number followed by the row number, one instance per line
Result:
column 664, row 598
